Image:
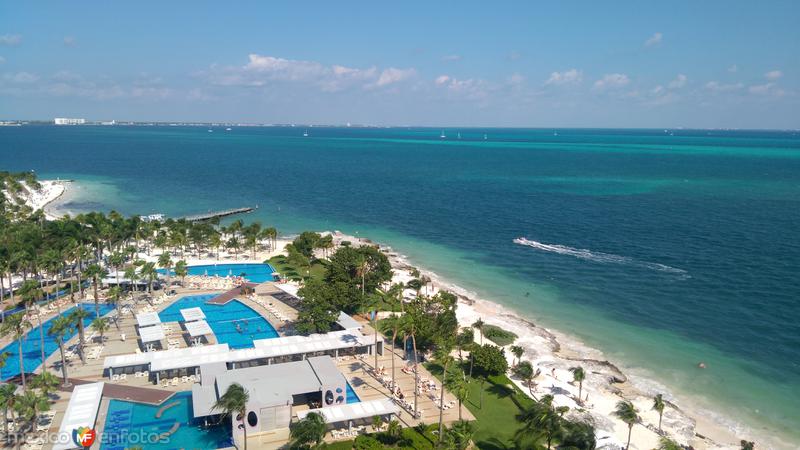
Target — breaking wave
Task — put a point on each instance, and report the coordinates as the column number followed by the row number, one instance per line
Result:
column 606, row 258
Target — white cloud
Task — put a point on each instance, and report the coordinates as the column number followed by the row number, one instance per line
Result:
column 2, row 60
column 655, row 39
column 716, row 86
column 263, row 70
column 766, row 89
column 572, row 76
column 516, row 79
column 658, row 90
column 393, row 75
column 10, row 39
column 442, row 79
column 70, row 41
column 20, row 77
column 733, row 69
column 612, row 81
column 678, row 82
column 451, row 58
column 773, row 75
column 470, row 88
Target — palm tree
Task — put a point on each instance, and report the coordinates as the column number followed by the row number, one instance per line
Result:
column 181, row 270
column 666, row 443
column 165, row 261
column 540, row 421
column 61, row 327
column 393, row 323
column 457, row 384
column 148, row 272
column 116, row 260
column 233, row 403
column 3, row 359
column 658, row 405
column 29, row 405
column 444, row 359
column 77, row 316
column 478, row 325
column 517, row 351
column 8, row 398
column 394, row 430
column 308, row 432
column 15, row 325
column 96, row 273
column 578, row 375
column 524, row 371
column 30, row 292
column 410, row 329
column 100, row 325
column 133, row 276
column 626, row 412
column 46, row 382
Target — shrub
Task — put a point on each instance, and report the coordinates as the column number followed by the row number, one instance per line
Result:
column 498, row 335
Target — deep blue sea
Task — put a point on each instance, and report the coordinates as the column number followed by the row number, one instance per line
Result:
column 662, row 248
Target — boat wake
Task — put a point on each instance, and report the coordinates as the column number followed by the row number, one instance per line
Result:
column 599, row 257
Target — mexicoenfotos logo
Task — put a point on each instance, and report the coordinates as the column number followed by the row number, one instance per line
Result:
column 84, row 436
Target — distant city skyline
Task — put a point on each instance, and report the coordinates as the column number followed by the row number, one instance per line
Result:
column 714, row 64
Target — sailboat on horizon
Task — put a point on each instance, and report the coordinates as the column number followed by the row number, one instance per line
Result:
column 442, row 136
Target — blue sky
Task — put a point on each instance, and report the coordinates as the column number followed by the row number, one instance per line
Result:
column 535, row 64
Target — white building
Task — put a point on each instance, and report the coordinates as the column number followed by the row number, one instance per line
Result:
column 68, row 121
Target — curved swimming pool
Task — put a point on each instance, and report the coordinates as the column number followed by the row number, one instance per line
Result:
column 257, row 273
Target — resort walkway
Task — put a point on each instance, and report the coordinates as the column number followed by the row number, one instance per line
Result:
column 138, row 394
column 230, row 295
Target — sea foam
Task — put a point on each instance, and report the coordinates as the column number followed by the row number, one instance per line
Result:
column 599, row 257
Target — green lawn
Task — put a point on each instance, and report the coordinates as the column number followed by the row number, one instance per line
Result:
column 495, row 421
column 316, row 271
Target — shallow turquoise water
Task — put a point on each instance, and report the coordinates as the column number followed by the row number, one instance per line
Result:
column 224, row 319
column 661, row 250
column 130, row 424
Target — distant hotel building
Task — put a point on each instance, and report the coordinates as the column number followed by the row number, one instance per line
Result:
column 67, row 121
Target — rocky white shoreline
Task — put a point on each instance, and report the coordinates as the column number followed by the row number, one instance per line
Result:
column 554, row 353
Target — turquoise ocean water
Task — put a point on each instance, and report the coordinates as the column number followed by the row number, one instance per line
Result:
column 661, row 248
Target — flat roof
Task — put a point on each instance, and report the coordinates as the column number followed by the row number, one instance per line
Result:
column 151, row 334
column 137, row 359
column 147, row 318
column 81, row 412
column 347, row 322
column 273, row 384
column 353, row 411
column 190, row 314
column 264, row 348
column 198, row 328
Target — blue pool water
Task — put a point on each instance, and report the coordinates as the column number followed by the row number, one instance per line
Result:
column 130, row 424
column 31, row 343
column 352, row 397
column 257, row 273
column 223, row 320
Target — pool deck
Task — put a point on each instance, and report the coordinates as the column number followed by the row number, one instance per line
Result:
column 140, row 389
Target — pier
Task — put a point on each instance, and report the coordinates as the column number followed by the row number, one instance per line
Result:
column 224, row 213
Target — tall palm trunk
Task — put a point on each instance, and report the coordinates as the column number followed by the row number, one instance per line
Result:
column 21, row 361
column 41, row 338
column 63, row 363
column 441, row 404
column 416, row 373
column 630, row 428
column 394, row 339
column 96, row 300
column 80, row 341
column 2, row 298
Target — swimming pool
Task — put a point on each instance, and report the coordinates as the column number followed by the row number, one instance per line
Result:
column 224, row 319
column 31, row 344
column 352, row 397
column 257, row 273
column 130, row 425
